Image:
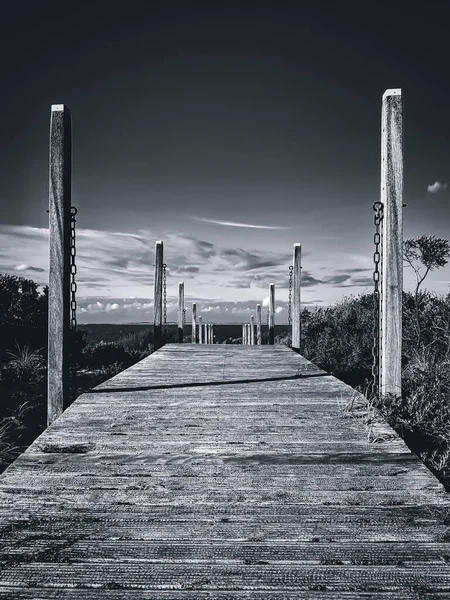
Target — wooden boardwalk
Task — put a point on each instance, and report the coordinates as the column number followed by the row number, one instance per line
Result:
column 221, row 472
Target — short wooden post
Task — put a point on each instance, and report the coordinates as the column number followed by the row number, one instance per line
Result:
column 180, row 311
column 209, row 333
column 200, row 330
column 252, row 330
column 212, row 333
column 296, row 297
column 392, row 243
column 272, row 313
column 60, row 175
column 258, row 324
column 157, row 318
column 243, row 334
column 194, row 323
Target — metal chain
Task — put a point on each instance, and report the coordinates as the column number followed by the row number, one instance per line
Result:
column 165, row 297
column 73, row 300
column 267, row 317
column 291, row 270
column 184, row 317
column 378, row 218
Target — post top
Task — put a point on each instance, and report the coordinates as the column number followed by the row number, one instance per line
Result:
column 297, row 245
column 58, row 107
column 158, row 242
column 393, row 92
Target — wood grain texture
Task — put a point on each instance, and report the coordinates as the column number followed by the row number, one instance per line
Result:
column 272, row 313
column 194, row 323
column 296, row 296
column 200, row 330
column 60, row 174
column 180, row 311
column 158, row 294
column 220, row 471
column 392, row 243
column 258, row 324
column 252, row 330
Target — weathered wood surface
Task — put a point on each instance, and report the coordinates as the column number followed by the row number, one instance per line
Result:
column 180, row 311
column 60, row 186
column 158, row 295
column 220, row 471
column 296, row 296
column 271, row 313
column 392, row 243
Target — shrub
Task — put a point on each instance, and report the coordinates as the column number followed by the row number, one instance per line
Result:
column 24, row 366
column 103, row 354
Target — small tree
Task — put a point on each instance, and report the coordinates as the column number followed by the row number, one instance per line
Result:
column 429, row 252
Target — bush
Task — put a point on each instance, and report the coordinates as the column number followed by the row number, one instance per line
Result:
column 103, row 354
column 24, row 366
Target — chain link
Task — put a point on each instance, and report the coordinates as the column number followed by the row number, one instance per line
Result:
column 291, row 270
column 165, row 297
column 73, row 302
column 184, row 317
column 378, row 218
column 267, row 317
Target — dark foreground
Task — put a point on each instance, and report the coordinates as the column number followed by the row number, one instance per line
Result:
column 219, row 472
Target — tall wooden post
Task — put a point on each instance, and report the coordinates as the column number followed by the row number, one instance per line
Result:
column 392, row 242
column 60, row 175
column 200, row 330
column 158, row 295
column 252, row 330
column 296, row 297
column 180, row 311
column 258, row 324
column 272, row 313
column 194, row 323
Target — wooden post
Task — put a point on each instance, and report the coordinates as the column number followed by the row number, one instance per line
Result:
column 252, row 330
column 60, row 175
column 200, row 330
column 157, row 319
column 392, row 242
column 194, row 323
column 180, row 311
column 243, row 333
column 209, row 333
column 272, row 313
column 258, row 324
column 296, row 297
column 212, row 333
column 248, row 334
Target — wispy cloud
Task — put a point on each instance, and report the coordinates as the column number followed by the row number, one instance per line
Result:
column 28, row 268
column 234, row 224
column 437, row 186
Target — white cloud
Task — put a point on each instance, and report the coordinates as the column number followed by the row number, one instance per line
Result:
column 266, row 302
column 234, row 224
column 279, row 309
column 437, row 186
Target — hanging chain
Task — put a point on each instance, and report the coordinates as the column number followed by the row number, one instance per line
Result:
column 267, row 317
column 378, row 218
column 73, row 300
column 184, row 317
column 291, row 270
column 165, row 297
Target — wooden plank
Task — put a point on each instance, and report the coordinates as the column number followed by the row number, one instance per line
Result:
column 296, row 297
column 180, row 311
column 258, row 324
column 272, row 313
column 60, row 174
column 158, row 295
column 223, row 471
column 194, row 323
column 392, row 243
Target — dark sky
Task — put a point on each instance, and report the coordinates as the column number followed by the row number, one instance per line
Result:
column 255, row 113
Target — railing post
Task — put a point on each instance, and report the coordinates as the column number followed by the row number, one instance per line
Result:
column 200, row 330
column 243, row 334
column 272, row 313
column 60, row 175
column 157, row 319
column 392, row 239
column 296, row 297
column 180, row 311
column 194, row 323
column 252, row 330
column 212, row 333
column 258, row 324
